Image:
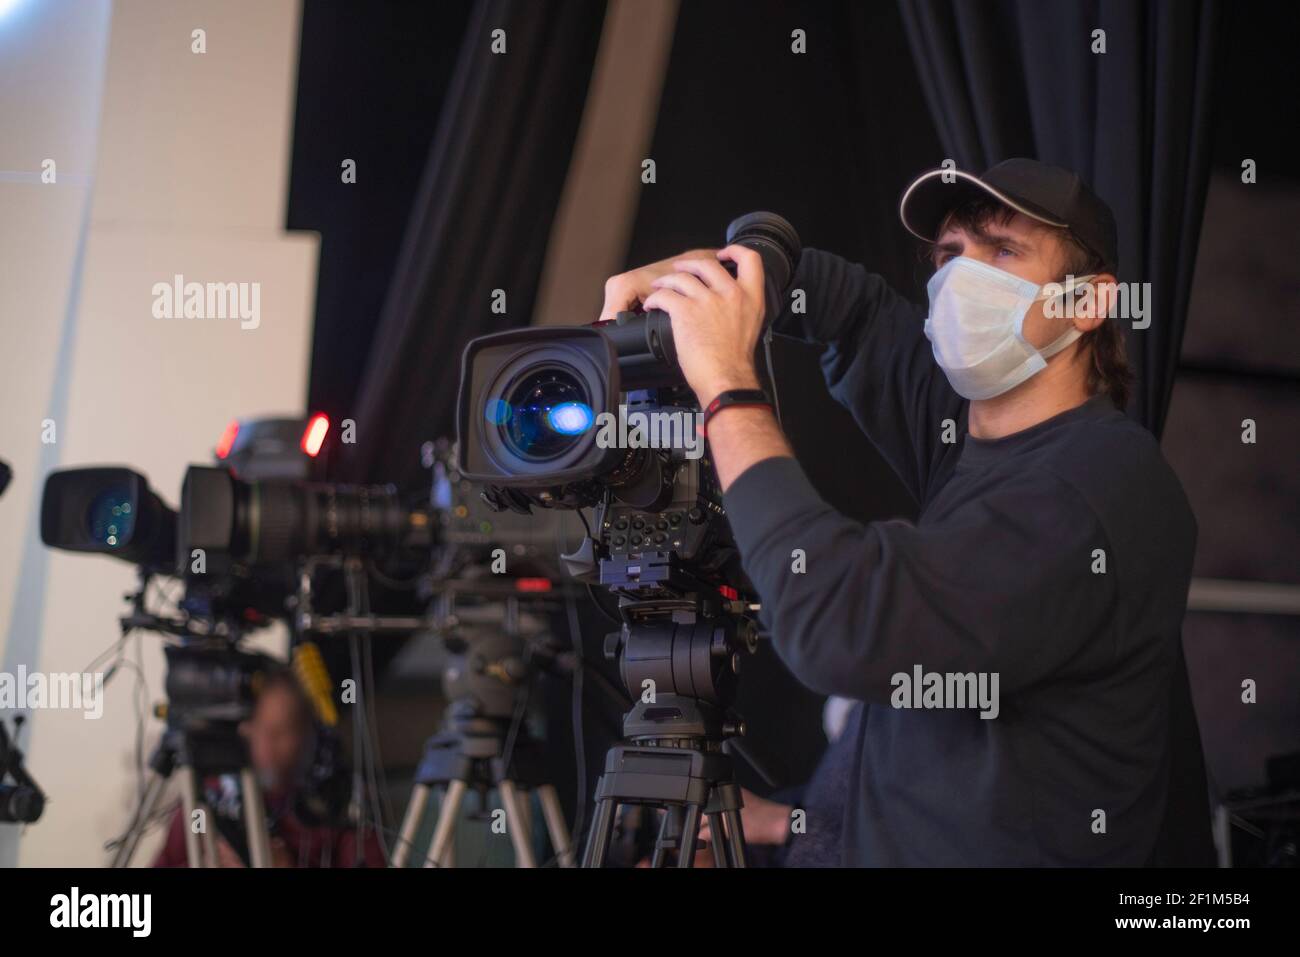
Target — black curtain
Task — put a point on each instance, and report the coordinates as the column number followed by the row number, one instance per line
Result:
column 480, row 221
column 1020, row 78
column 372, row 79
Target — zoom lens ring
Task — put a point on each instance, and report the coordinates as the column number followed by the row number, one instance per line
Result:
column 276, row 515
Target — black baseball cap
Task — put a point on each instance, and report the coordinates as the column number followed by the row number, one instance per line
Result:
column 1046, row 193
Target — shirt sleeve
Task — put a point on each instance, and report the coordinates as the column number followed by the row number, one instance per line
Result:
column 1003, row 584
column 878, row 363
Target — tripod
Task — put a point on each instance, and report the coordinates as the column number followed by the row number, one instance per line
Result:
column 484, row 745
column 470, row 754
column 196, row 754
column 673, row 757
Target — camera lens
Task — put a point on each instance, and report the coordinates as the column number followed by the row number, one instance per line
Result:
column 544, row 415
column 110, row 517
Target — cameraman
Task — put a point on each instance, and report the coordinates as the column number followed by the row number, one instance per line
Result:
column 1053, row 551
column 280, row 739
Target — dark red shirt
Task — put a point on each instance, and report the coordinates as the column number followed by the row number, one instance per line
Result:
column 294, row 844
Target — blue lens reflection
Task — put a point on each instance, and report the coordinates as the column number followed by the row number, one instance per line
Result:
column 497, row 411
column 570, row 418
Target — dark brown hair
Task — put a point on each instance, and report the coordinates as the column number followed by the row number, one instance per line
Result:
column 1108, row 369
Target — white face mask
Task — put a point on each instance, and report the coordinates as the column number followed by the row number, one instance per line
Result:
column 976, row 327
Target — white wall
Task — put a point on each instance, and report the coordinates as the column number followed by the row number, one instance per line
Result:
column 189, row 177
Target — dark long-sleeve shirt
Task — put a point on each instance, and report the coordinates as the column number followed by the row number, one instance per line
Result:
column 1057, row 558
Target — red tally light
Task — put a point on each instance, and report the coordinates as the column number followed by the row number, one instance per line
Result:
column 227, row 440
column 728, row 592
column 532, row 584
column 313, row 437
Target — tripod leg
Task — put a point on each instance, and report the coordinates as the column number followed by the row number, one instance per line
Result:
column 259, row 837
column 209, row 839
column 517, row 822
column 189, row 804
column 410, row 824
column 690, row 834
column 717, row 840
column 555, row 825
column 735, row 839
column 445, row 830
column 140, row 821
column 602, row 829
column 670, row 828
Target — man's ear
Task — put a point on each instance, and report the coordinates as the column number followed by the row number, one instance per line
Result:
column 1094, row 306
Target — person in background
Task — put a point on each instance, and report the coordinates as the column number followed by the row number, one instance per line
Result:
column 280, row 736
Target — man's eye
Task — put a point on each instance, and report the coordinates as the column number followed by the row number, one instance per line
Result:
column 1006, row 251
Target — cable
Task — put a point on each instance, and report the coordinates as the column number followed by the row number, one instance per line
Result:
column 616, row 619
column 365, row 726
column 516, row 722
column 141, row 717
column 372, row 725
column 771, row 373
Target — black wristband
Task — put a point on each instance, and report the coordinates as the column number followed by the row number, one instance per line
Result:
column 733, row 397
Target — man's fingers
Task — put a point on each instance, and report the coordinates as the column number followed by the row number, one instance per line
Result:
column 665, row 299
column 708, row 271
column 682, row 282
column 749, row 269
column 621, row 293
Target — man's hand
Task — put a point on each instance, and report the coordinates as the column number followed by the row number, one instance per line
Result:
column 717, row 320
column 716, row 324
column 630, row 289
column 764, row 821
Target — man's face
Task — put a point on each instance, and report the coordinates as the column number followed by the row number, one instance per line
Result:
column 276, row 735
column 1021, row 246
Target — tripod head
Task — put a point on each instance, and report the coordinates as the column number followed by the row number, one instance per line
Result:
column 679, row 659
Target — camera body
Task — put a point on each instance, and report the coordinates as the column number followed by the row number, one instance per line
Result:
column 542, row 421
column 533, row 402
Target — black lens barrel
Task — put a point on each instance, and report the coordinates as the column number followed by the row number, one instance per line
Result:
column 277, row 520
column 647, row 356
column 287, row 520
